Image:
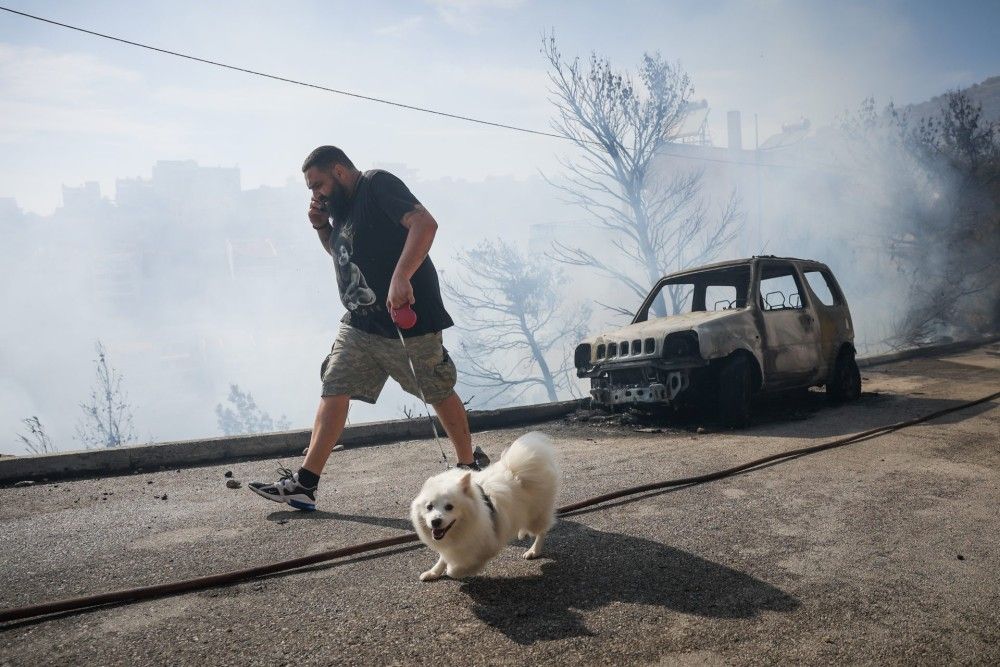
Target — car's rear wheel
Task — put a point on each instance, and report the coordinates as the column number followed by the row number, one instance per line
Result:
column 735, row 392
column 845, row 382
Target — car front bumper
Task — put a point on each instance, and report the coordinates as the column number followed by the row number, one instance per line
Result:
column 604, row 392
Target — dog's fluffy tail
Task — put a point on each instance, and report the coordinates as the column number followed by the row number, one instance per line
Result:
column 531, row 459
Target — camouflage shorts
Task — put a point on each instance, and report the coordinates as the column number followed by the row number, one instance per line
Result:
column 359, row 364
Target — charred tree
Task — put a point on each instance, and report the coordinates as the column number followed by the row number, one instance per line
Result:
column 518, row 332
column 944, row 185
column 107, row 420
column 659, row 222
column 245, row 416
column 37, row 441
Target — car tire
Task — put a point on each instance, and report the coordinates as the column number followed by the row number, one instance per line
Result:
column 845, row 382
column 735, row 392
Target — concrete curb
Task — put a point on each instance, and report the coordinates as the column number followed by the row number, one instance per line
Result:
column 925, row 351
column 188, row 453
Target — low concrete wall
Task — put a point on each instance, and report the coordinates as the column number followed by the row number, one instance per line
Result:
column 123, row 460
column 926, row 351
column 186, row 453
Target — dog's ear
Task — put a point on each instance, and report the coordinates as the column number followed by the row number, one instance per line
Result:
column 465, row 484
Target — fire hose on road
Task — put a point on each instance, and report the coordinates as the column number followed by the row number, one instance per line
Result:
column 212, row 581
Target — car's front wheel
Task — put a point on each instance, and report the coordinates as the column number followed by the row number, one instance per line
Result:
column 845, row 382
column 735, row 392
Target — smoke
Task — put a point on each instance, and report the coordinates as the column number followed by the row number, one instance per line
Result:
column 194, row 284
column 907, row 220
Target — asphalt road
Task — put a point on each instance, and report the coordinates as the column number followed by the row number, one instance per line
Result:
column 886, row 551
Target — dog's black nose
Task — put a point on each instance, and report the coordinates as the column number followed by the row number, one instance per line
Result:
column 435, row 523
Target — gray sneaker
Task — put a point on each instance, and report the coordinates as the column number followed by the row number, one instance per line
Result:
column 287, row 490
column 479, row 456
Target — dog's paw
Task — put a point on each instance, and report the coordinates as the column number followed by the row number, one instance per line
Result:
column 523, row 534
column 531, row 554
column 429, row 575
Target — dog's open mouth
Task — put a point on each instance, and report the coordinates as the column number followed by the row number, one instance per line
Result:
column 439, row 533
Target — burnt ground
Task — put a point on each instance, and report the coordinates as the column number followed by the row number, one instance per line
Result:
column 885, row 551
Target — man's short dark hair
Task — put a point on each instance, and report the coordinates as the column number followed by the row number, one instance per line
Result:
column 325, row 157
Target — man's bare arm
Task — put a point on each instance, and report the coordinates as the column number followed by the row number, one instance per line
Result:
column 324, row 234
column 421, row 228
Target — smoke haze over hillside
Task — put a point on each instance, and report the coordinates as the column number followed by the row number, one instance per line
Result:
column 156, row 204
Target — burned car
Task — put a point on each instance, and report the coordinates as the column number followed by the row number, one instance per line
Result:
column 724, row 333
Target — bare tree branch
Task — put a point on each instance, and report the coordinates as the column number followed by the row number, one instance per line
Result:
column 658, row 224
column 107, row 418
column 514, row 323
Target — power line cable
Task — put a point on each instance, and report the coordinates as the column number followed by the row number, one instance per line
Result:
column 380, row 100
column 275, row 77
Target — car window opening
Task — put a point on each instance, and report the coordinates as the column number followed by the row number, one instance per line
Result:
column 719, row 289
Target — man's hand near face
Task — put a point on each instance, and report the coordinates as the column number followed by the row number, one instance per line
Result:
column 318, row 216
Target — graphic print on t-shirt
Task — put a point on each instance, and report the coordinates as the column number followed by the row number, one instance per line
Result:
column 354, row 290
column 367, row 242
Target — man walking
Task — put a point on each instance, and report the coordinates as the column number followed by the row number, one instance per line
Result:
column 379, row 239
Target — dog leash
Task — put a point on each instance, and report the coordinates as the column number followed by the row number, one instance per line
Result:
column 407, row 318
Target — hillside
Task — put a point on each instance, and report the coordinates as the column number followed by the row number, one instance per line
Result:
column 986, row 93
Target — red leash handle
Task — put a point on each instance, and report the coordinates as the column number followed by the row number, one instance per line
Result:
column 404, row 317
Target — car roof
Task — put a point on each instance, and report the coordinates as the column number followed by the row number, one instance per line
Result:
column 747, row 261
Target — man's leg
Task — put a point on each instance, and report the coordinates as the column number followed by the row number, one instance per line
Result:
column 299, row 489
column 349, row 370
column 455, row 420
column 435, row 383
column 329, row 425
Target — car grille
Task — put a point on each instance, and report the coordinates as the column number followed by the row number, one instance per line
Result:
column 626, row 348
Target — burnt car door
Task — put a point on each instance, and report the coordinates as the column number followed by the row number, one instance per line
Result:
column 832, row 312
column 789, row 328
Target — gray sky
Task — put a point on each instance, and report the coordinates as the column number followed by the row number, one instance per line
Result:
column 75, row 108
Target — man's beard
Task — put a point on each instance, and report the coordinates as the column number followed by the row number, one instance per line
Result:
column 338, row 203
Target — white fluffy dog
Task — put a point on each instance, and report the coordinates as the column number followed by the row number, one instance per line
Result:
column 468, row 517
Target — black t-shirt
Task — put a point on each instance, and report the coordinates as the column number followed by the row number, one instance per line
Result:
column 366, row 246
